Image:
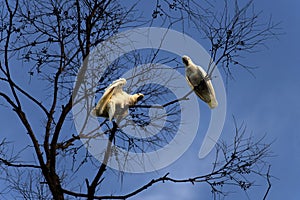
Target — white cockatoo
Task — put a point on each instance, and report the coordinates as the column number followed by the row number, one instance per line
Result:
column 199, row 81
column 115, row 102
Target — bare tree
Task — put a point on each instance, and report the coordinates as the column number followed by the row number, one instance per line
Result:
column 52, row 39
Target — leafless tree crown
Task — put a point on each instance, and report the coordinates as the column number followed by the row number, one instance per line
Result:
column 51, row 40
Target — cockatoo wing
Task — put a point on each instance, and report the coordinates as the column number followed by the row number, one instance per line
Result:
column 198, row 84
column 204, row 89
column 111, row 107
column 117, row 85
column 103, row 102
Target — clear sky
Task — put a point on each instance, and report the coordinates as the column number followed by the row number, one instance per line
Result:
column 268, row 104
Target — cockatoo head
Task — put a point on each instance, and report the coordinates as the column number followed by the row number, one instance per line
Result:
column 186, row 60
column 136, row 97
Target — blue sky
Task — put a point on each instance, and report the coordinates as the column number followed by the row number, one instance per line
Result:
column 268, row 104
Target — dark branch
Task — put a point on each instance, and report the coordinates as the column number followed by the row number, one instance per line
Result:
column 11, row 164
column 269, row 183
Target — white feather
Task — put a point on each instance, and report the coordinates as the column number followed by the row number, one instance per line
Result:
column 115, row 102
column 199, row 81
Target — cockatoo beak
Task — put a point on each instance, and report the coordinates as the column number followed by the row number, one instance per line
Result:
column 140, row 97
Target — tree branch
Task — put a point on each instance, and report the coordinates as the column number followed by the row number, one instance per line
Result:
column 269, row 183
column 95, row 182
column 10, row 164
column 185, row 97
column 238, row 161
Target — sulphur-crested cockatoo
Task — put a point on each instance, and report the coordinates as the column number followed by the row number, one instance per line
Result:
column 114, row 102
column 199, row 81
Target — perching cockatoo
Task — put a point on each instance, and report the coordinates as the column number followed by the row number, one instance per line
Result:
column 199, row 81
column 114, row 102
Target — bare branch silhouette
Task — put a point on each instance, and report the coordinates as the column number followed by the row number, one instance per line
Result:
column 51, row 41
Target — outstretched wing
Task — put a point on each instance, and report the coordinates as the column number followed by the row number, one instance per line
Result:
column 112, row 89
column 116, row 85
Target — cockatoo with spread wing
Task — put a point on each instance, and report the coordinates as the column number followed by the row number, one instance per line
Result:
column 115, row 102
column 199, row 81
